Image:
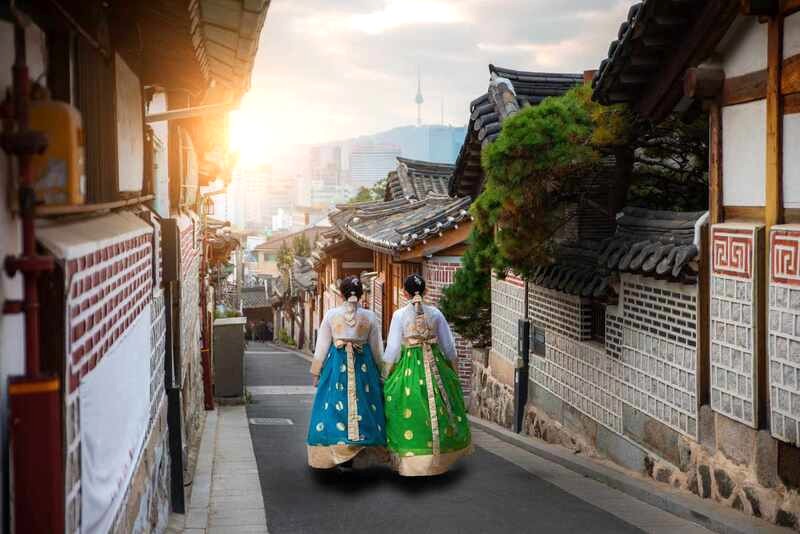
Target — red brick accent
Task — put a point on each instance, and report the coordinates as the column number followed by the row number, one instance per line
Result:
column 439, row 275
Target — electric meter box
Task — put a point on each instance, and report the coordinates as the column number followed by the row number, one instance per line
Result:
column 59, row 175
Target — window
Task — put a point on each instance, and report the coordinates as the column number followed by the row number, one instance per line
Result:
column 598, row 321
column 537, row 340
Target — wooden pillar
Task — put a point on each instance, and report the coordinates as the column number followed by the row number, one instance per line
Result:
column 773, row 209
column 716, row 214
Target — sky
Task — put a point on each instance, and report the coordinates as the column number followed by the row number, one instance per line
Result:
column 334, row 69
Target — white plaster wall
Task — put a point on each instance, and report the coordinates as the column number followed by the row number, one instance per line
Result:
column 744, row 47
column 12, row 326
column 791, row 165
column 130, row 140
column 791, row 35
column 744, row 139
column 161, row 130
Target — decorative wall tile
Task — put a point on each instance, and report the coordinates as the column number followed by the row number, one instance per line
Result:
column 508, row 306
column 784, row 333
column 733, row 321
column 659, row 350
column 582, row 375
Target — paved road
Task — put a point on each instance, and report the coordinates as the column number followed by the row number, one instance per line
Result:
column 499, row 489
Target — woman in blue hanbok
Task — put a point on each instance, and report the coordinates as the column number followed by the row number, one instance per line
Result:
column 348, row 409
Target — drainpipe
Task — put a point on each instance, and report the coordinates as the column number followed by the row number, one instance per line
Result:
column 35, row 419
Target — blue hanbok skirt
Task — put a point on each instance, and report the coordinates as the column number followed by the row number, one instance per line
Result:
column 329, row 434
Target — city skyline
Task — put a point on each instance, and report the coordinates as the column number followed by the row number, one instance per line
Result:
column 356, row 63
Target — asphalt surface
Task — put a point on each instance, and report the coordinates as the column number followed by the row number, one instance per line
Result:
column 484, row 494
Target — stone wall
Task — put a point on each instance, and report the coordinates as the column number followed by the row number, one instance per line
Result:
column 637, row 401
column 491, row 399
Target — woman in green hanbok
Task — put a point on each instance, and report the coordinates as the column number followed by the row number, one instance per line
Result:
column 426, row 422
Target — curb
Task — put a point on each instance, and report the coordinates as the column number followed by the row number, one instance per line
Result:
column 704, row 512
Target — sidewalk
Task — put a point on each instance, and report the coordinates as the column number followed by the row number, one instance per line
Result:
column 226, row 494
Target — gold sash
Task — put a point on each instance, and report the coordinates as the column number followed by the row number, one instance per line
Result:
column 433, row 379
column 351, row 347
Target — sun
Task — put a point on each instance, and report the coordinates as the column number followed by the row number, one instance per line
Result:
column 249, row 137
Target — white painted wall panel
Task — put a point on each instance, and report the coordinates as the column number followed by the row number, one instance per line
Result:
column 791, row 35
column 744, row 48
column 744, row 140
column 161, row 130
column 130, row 135
column 791, row 161
column 112, row 433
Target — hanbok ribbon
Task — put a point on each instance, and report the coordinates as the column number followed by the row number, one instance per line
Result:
column 433, row 379
column 351, row 347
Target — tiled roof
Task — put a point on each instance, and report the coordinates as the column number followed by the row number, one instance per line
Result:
column 509, row 91
column 304, row 276
column 648, row 48
column 254, row 297
column 661, row 244
column 415, row 179
column 397, row 225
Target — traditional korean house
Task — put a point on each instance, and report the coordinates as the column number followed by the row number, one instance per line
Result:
column 417, row 228
column 136, row 93
column 737, row 61
column 508, row 92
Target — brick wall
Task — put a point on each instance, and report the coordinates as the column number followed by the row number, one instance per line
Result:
column 438, row 274
column 560, row 312
column 189, row 321
column 508, row 306
column 110, row 281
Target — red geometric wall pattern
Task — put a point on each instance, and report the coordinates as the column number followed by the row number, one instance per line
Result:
column 785, row 254
column 732, row 252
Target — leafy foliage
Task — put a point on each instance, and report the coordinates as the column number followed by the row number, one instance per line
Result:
column 370, row 194
column 285, row 259
column 533, row 172
column 671, row 166
column 467, row 302
column 301, row 246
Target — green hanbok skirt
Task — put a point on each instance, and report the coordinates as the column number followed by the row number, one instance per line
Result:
column 412, row 435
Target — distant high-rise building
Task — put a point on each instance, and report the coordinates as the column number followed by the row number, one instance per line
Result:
column 372, row 162
column 419, row 99
column 325, row 163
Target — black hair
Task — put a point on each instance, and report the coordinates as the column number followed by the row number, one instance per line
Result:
column 415, row 284
column 352, row 287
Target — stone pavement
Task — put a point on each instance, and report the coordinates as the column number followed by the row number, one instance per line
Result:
column 226, row 494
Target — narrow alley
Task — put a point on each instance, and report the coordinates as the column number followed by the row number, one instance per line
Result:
column 500, row 488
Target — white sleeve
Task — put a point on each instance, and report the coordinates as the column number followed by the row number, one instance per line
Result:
column 394, row 340
column 324, row 339
column 376, row 339
column 445, row 336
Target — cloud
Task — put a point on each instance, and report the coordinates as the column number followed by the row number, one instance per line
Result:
column 345, row 68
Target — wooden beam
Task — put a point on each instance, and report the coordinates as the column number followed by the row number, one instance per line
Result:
column 743, row 213
column 790, row 75
column 758, row 7
column 774, row 186
column 744, row 88
column 716, row 215
column 436, row 244
column 712, row 21
column 703, row 82
column 791, row 104
column 790, row 6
